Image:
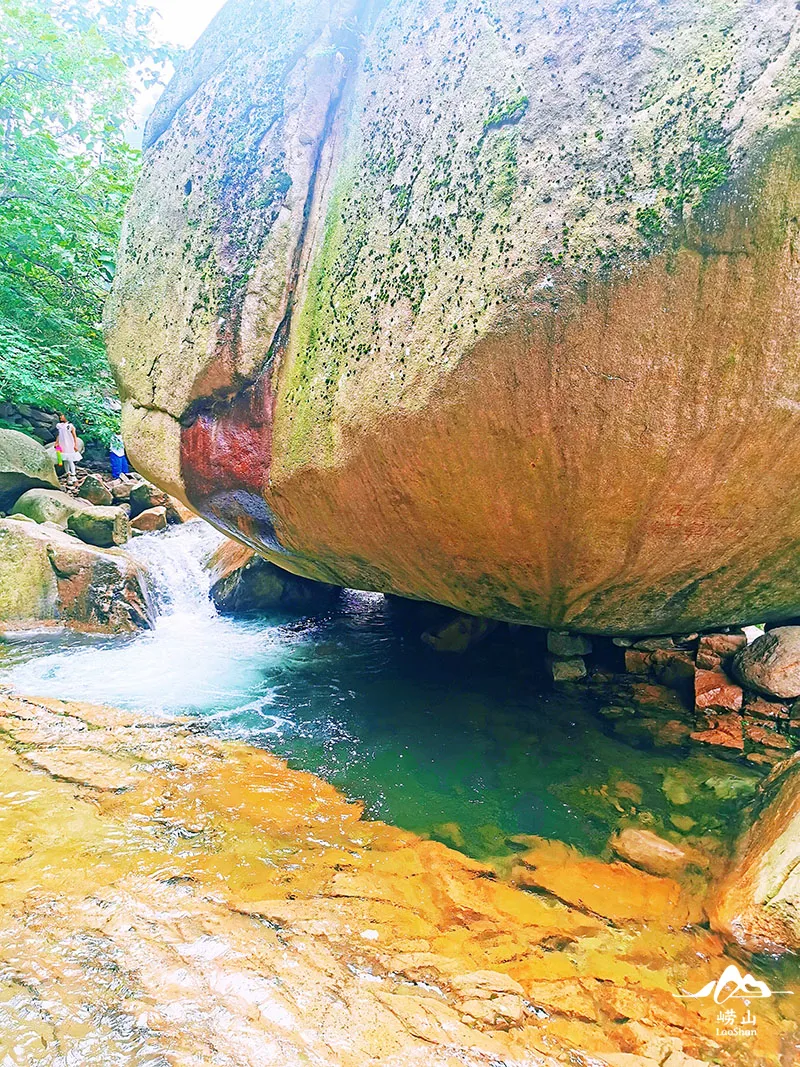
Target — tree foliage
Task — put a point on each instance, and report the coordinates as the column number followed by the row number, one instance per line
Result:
column 69, row 74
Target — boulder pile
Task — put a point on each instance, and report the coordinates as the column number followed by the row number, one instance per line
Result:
column 49, row 578
column 713, row 690
column 100, row 525
column 51, row 571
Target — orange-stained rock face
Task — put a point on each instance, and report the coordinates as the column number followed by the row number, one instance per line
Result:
column 756, row 904
column 495, row 310
column 168, row 897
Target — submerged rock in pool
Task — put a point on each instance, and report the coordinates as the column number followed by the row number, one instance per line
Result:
column 243, row 581
column 616, row 891
column 493, row 308
column 652, row 853
column 197, row 901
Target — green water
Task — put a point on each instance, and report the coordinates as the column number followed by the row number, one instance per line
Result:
column 472, row 749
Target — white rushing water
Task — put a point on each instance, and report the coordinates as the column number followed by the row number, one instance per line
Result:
column 177, row 580
column 193, row 660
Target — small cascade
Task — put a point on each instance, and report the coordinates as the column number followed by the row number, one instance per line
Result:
column 174, row 562
column 193, row 660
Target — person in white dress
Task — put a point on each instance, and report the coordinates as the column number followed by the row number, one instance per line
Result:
column 67, row 445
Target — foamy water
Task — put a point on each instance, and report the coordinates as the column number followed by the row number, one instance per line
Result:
column 193, row 660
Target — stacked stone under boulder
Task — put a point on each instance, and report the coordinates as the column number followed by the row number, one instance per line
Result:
column 696, row 689
column 242, row 581
column 455, row 632
column 566, row 651
column 717, row 650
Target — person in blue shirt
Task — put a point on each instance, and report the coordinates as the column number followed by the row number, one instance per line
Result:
column 116, row 454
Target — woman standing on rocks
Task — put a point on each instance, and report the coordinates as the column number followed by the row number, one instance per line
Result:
column 67, row 445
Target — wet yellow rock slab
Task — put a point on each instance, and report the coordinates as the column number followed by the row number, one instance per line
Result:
column 615, row 891
column 168, row 898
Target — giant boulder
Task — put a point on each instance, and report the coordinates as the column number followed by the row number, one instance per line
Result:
column 498, row 309
column 24, row 464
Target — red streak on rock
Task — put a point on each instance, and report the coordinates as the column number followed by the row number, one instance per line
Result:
column 231, row 449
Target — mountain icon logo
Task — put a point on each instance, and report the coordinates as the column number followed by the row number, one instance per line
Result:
column 733, row 985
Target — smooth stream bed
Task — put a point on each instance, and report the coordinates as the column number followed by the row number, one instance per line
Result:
column 469, row 749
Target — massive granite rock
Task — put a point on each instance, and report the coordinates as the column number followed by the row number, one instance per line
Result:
column 494, row 305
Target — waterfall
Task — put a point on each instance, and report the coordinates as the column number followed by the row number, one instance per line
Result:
column 192, row 660
column 177, row 582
